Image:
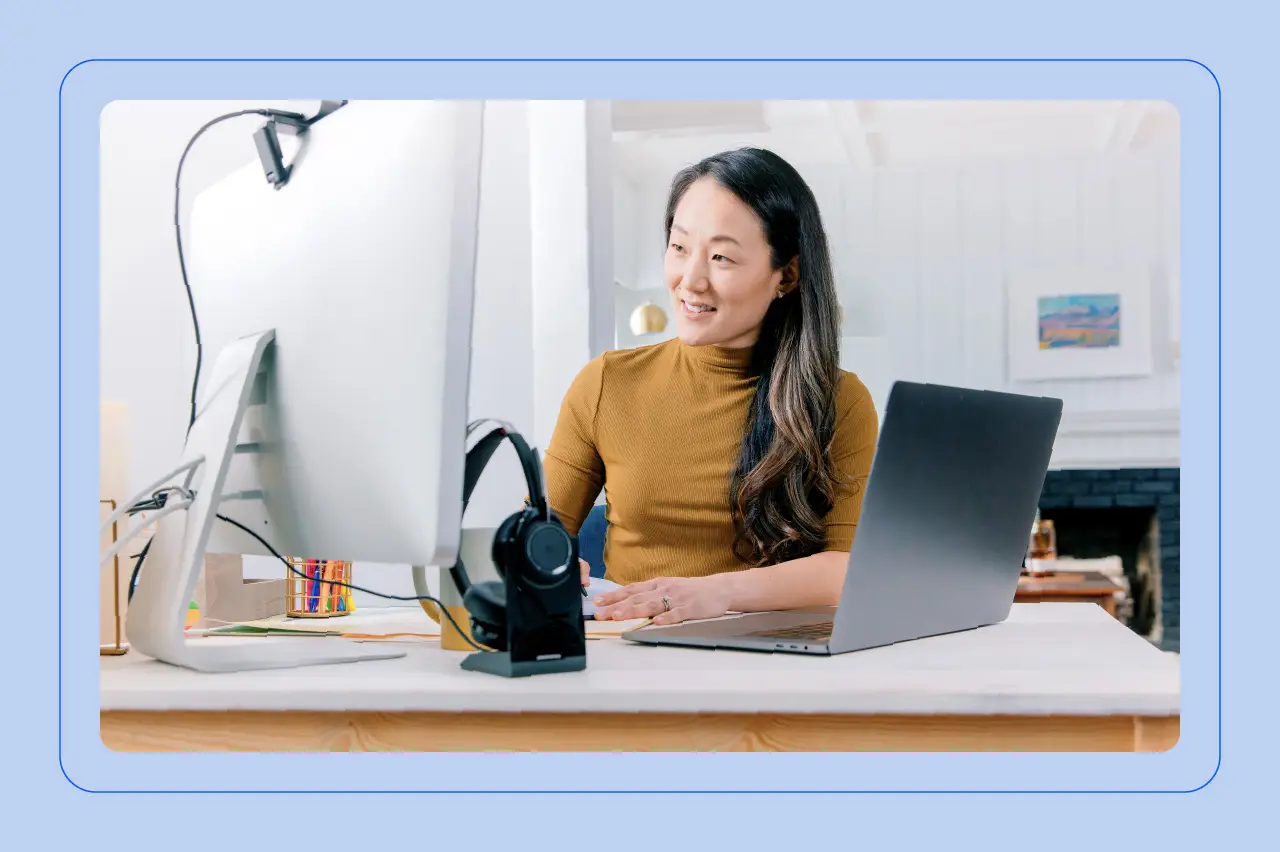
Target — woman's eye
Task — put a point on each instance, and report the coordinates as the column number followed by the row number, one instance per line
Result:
column 720, row 257
column 677, row 247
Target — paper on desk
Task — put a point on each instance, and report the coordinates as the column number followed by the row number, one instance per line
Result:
column 395, row 624
column 268, row 627
column 427, row 633
column 374, row 623
column 614, row 628
column 594, row 630
column 597, row 586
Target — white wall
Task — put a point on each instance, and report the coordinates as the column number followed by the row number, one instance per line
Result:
column 646, row 244
column 501, row 333
column 571, row 194
column 930, row 253
column 147, row 342
column 147, row 347
column 921, row 259
column 625, row 230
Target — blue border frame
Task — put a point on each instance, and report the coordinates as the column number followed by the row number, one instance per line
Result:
column 466, row 60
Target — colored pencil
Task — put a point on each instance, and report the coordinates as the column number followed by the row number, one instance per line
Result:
column 335, row 591
column 313, row 587
column 326, row 588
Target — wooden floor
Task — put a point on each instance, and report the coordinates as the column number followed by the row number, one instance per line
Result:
column 148, row 731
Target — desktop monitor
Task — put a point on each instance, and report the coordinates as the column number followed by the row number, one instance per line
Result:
column 335, row 313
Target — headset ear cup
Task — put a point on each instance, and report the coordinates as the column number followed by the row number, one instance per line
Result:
column 487, row 636
column 487, row 603
column 506, row 543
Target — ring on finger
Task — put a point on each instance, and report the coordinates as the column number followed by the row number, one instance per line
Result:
column 666, row 603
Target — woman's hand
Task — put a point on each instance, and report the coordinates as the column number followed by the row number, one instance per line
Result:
column 689, row 597
column 585, row 570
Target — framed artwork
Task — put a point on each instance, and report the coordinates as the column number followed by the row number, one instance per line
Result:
column 1080, row 323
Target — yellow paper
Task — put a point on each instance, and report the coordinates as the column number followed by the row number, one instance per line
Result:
column 391, row 625
column 614, row 628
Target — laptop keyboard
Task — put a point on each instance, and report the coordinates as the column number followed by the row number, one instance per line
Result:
column 817, row 632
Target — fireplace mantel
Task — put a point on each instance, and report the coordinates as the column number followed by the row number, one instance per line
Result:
column 1115, row 440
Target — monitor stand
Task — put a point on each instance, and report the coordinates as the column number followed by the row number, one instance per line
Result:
column 157, row 614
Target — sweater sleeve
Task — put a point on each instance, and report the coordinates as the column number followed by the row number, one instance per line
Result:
column 852, row 449
column 572, row 466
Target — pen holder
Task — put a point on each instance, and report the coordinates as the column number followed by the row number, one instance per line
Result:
column 316, row 593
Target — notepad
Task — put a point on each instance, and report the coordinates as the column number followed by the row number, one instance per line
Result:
column 597, row 586
column 599, row 629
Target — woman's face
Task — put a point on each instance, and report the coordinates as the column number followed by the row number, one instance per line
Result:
column 718, row 268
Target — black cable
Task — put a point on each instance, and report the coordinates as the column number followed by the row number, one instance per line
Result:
column 303, row 575
column 158, row 500
column 177, row 229
column 137, row 566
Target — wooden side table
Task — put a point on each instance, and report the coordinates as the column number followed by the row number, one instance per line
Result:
column 1070, row 587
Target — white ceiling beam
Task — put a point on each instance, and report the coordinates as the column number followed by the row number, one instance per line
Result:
column 1124, row 127
column 852, row 133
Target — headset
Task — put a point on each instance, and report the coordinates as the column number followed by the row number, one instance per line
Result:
column 532, row 551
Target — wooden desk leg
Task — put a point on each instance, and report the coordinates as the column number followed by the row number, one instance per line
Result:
column 1109, row 604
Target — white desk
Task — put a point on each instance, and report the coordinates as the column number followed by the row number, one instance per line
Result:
column 1053, row 677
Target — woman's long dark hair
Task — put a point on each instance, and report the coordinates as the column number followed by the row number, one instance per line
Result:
column 784, row 481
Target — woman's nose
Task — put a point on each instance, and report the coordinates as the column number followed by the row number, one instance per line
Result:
column 695, row 276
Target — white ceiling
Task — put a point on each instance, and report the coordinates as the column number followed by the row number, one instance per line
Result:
column 656, row 138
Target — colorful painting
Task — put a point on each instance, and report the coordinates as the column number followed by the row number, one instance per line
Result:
column 1079, row 322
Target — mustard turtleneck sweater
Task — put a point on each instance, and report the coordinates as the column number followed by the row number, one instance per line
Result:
column 659, row 428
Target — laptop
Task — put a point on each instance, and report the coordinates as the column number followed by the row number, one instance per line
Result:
column 945, row 524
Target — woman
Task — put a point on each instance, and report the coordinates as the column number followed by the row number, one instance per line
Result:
column 735, row 455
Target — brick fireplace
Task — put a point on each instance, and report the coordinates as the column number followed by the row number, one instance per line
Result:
column 1131, row 513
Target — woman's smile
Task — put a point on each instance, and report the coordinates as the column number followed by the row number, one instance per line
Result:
column 696, row 310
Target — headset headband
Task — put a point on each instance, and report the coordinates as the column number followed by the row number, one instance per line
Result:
column 478, row 458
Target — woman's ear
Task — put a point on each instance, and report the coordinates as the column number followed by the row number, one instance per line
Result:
column 790, row 279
